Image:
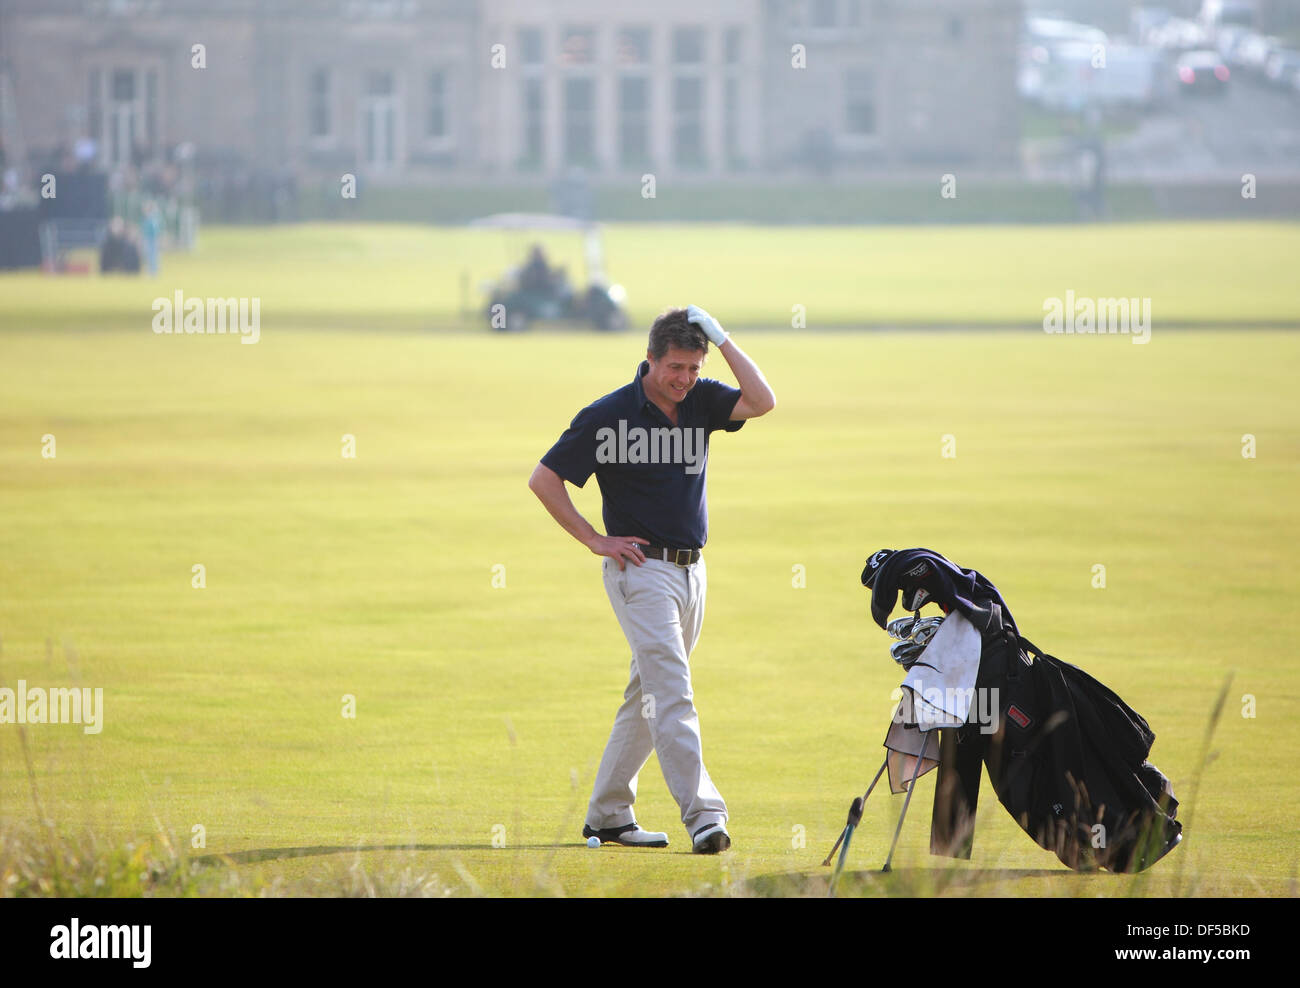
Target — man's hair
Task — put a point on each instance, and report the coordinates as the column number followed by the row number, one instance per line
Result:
column 672, row 329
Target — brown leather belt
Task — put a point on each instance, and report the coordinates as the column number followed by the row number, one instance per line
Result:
column 678, row 557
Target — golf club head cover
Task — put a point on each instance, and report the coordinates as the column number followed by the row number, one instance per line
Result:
column 874, row 563
column 920, row 586
column 911, row 572
column 923, row 576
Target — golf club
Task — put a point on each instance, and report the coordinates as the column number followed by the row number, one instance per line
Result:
column 901, row 627
column 851, row 823
column 920, row 759
column 906, row 653
column 855, row 817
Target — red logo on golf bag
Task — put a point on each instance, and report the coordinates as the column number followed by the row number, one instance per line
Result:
column 1019, row 716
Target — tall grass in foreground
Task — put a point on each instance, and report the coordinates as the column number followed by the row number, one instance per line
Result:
column 37, row 861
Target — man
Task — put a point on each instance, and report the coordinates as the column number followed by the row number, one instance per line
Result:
column 535, row 275
column 151, row 225
column 118, row 251
column 647, row 444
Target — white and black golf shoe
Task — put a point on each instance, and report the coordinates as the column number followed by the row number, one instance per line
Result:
column 630, row 835
column 712, row 838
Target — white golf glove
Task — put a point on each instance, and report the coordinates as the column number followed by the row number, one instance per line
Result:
column 712, row 329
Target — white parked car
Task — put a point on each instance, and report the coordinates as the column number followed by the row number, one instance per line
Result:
column 1180, row 34
column 1281, row 67
column 1053, row 30
column 1068, row 77
column 1253, row 53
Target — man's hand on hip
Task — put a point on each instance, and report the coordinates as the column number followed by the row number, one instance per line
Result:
column 619, row 548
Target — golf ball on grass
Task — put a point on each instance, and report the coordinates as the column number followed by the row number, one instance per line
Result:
column 593, row 842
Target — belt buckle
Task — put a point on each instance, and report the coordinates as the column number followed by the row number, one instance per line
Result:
column 677, row 558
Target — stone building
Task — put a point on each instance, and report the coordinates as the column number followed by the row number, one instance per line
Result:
column 417, row 90
column 890, row 83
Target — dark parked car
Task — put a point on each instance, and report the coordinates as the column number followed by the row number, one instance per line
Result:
column 1202, row 73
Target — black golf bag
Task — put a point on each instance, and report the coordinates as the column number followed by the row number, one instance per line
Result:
column 1067, row 756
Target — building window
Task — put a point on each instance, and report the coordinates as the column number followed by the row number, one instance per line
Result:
column 530, row 46
column 150, row 110
column 379, row 119
column 633, row 53
column 579, row 122
column 533, row 104
column 634, row 46
column 436, row 123
column 320, row 125
column 822, row 14
column 124, row 116
column 688, row 46
column 859, row 103
column 634, row 120
column 731, row 45
column 688, row 129
column 733, row 54
column 731, row 119
column 123, row 85
column 578, row 46
column 688, row 97
column 94, row 106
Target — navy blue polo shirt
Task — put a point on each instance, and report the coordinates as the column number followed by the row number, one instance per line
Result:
column 650, row 472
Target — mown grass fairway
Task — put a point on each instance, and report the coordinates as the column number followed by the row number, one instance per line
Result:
column 481, row 711
column 365, row 277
